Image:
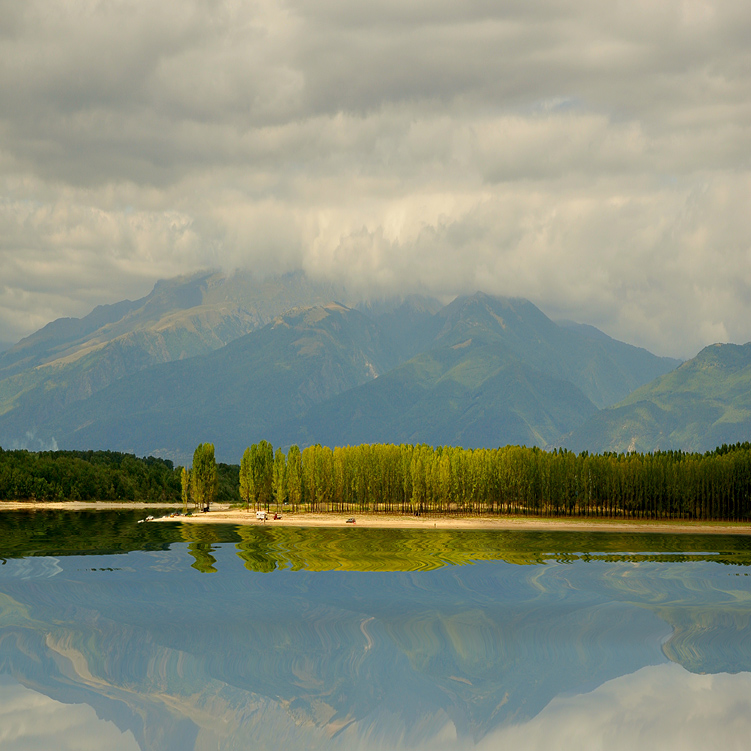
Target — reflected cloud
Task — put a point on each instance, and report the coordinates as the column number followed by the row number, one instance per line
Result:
column 30, row 720
column 296, row 645
column 661, row 707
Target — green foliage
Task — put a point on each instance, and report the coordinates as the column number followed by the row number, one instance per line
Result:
column 203, row 475
column 519, row 480
column 228, row 479
column 256, row 475
column 262, row 469
column 87, row 476
column 294, row 476
column 246, row 478
column 185, row 488
column 279, row 480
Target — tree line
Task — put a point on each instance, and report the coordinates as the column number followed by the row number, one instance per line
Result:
column 404, row 479
column 100, row 476
column 513, row 480
column 86, row 476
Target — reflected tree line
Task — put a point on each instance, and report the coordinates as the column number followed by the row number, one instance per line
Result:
column 267, row 549
column 513, row 480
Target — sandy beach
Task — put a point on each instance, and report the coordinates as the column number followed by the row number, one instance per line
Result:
column 223, row 513
column 83, row 505
column 397, row 521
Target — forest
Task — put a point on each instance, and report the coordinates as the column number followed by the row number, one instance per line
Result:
column 406, row 479
column 98, row 476
column 511, row 480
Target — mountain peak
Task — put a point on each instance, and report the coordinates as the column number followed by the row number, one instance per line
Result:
column 722, row 355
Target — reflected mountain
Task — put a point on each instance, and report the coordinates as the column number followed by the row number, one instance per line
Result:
column 345, row 639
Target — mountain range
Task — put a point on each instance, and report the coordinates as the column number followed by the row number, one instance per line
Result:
column 233, row 358
column 704, row 403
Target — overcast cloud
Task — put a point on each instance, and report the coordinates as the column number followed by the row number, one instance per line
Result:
column 592, row 156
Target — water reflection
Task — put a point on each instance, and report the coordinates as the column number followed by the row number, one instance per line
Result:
column 662, row 707
column 31, row 720
column 580, row 648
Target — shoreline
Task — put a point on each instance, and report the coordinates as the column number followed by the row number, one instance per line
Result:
column 223, row 513
column 521, row 523
column 81, row 505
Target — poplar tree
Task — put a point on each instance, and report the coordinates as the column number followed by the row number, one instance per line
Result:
column 246, row 478
column 203, row 475
column 279, row 479
column 185, row 488
column 262, row 469
column 294, row 475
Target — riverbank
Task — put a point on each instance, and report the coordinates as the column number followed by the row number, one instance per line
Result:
column 84, row 505
column 400, row 521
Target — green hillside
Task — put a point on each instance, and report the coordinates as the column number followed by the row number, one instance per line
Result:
column 604, row 369
column 231, row 397
column 704, row 403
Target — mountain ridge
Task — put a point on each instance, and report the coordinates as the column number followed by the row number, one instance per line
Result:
column 703, row 403
column 233, row 359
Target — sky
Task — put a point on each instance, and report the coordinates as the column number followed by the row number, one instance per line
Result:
column 594, row 157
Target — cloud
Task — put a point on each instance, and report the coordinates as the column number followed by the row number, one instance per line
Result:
column 592, row 157
column 659, row 707
column 662, row 707
column 30, row 720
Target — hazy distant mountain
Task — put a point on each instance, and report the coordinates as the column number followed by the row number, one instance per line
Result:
column 702, row 404
column 231, row 397
column 70, row 359
column 498, row 371
column 605, row 369
column 408, row 324
column 466, row 395
column 162, row 374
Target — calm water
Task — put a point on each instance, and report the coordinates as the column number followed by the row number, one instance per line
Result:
column 123, row 636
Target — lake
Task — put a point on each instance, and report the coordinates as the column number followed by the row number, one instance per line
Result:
column 120, row 635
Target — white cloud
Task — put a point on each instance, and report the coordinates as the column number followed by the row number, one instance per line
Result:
column 664, row 708
column 592, row 157
column 30, row 720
